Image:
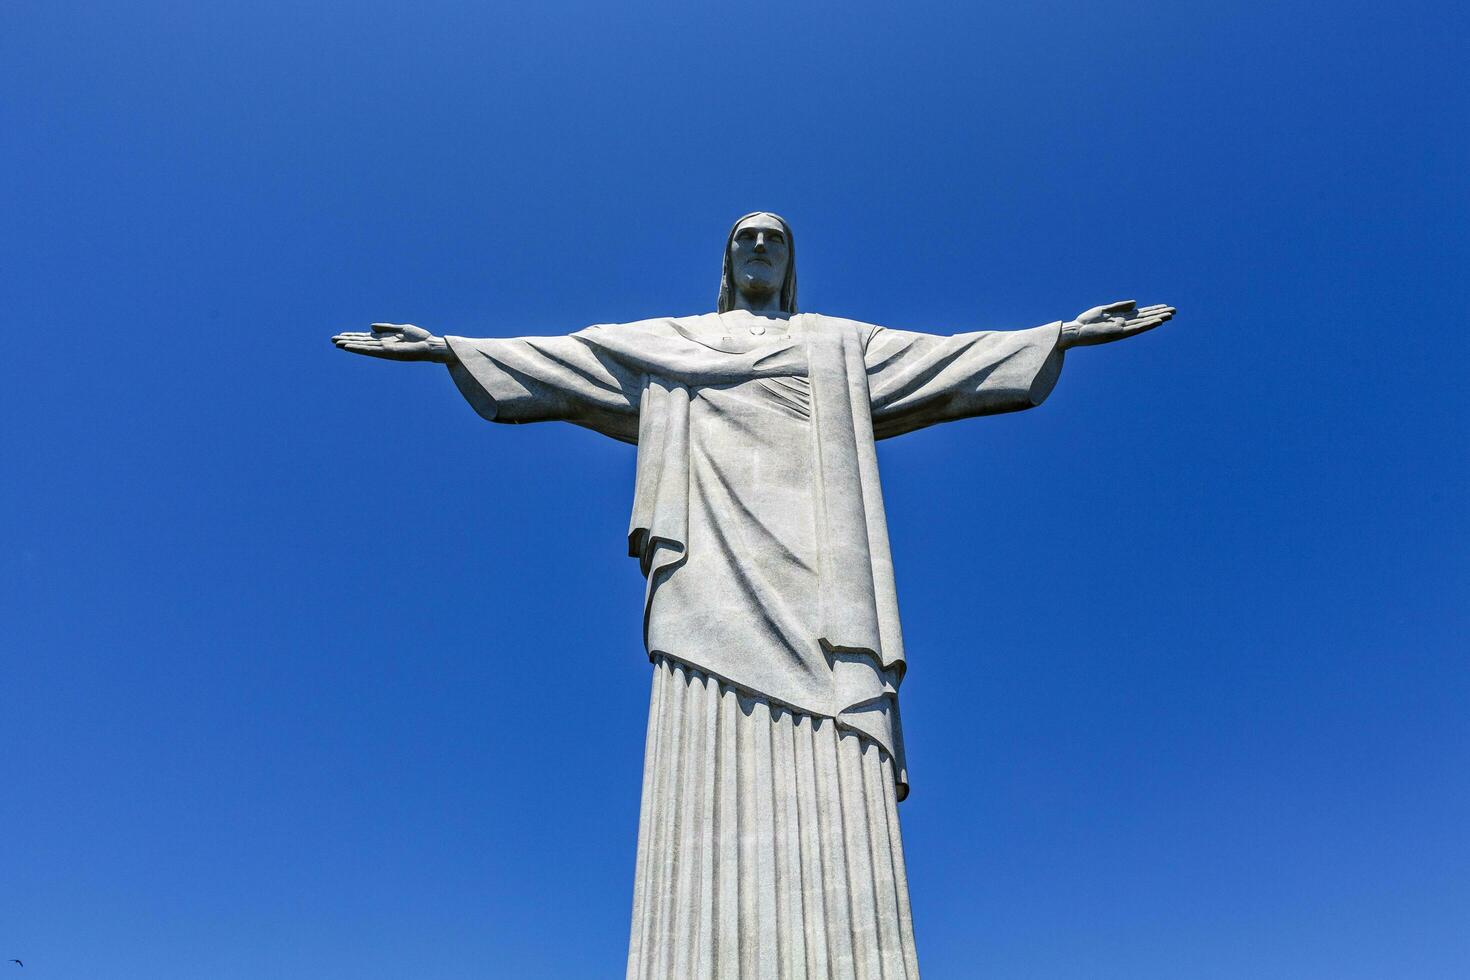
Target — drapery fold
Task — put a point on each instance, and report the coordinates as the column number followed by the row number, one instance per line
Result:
column 768, row 844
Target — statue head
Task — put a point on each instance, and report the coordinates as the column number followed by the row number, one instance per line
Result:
column 760, row 262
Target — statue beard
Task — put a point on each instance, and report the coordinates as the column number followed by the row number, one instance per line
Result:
column 757, row 286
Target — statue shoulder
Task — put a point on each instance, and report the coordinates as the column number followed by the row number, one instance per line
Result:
column 839, row 325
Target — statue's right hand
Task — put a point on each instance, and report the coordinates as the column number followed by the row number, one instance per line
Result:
column 397, row 342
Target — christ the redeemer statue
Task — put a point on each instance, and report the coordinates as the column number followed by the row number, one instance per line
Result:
column 768, row 842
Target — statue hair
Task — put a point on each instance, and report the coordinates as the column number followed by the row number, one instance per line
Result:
column 727, row 278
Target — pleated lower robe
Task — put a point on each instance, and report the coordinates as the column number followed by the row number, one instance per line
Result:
column 768, row 843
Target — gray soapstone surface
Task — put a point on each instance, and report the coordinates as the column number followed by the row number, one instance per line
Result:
column 771, row 612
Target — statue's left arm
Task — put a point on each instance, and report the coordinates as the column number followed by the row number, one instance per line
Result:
column 919, row 379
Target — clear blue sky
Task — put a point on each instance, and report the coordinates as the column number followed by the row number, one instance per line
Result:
column 309, row 672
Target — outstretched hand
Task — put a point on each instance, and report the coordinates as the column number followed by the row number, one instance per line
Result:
column 1105, row 324
column 397, row 342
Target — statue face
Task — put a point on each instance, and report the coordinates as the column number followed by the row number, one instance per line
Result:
column 759, row 255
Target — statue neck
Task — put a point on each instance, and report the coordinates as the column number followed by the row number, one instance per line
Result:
column 768, row 305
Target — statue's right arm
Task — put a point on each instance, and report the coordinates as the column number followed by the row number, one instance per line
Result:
column 568, row 378
column 397, row 342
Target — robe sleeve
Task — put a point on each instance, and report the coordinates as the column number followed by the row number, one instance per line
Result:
column 541, row 379
column 920, row 379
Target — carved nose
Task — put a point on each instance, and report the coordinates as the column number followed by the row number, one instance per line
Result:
column 760, row 242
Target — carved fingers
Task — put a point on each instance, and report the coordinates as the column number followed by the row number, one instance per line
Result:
column 361, row 343
column 1114, row 321
column 1147, row 318
column 1108, row 311
column 395, row 341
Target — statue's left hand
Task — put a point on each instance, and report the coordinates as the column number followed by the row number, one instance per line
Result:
column 1105, row 324
column 397, row 342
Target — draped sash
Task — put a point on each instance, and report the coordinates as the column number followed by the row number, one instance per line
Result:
column 860, row 631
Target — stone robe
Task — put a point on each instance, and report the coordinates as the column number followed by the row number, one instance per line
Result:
column 757, row 515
